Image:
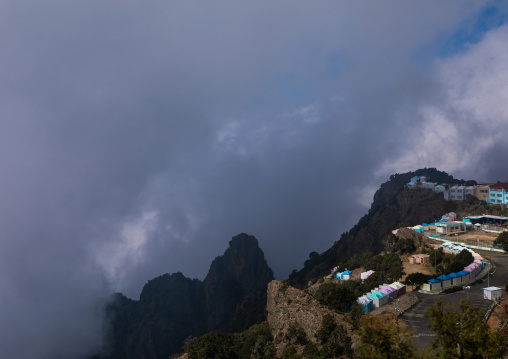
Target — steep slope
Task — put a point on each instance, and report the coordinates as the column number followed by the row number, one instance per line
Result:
column 287, row 305
column 238, row 278
column 393, row 207
column 173, row 307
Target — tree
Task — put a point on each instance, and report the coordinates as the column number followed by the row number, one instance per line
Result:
column 214, row 345
column 436, row 257
column 334, row 338
column 417, row 278
column 296, row 334
column 462, row 333
column 461, row 260
column 381, row 340
column 502, row 241
column 335, row 296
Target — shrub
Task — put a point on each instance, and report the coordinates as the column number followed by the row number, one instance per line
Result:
column 297, row 334
column 452, row 290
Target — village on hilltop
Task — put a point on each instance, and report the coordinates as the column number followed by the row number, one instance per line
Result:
column 495, row 193
column 456, row 235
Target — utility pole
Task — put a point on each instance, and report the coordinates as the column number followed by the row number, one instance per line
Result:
column 435, row 260
column 488, row 273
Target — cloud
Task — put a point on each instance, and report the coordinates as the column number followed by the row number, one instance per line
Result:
column 138, row 138
column 463, row 131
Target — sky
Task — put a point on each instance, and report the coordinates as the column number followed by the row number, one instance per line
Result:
column 137, row 138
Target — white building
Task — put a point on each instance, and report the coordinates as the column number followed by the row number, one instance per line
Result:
column 492, row 293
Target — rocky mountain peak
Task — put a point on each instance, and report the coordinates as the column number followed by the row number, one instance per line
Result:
column 173, row 307
column 242, row 271
column 243, row 263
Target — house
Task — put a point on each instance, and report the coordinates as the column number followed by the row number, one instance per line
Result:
column 429, row 185
column 346, row 275
column 366, row 303
column 419, row 258
column 473, row 269
column 366, row 275
column 487, row 219
column 446, row 281
column 418, row 229
column 457, row 278
column 389, row 291
column 432, row 285
column 481, row 192
column 498, row 193
column 457, row 193
column 399, row 287
column 451, row 216
column 415, row 179
column 450, row 227
column 378, row 299
column 492, row 293
column 440, row 188
column 449, row 247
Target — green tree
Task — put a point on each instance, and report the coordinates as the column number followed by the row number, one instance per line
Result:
column 334, row 339
column 461, row 260
column 213, row 345
column 502, row 241
column 462, row 333
column 290, row 353
column 336, row 296
column 356, row 314
column 417, row 278
column 297, row 334
column 436, row 256
column 380, row 341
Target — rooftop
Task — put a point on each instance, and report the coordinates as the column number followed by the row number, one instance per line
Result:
column 499, row 186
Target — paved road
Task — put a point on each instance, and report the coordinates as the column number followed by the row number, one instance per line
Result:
column 415, row 320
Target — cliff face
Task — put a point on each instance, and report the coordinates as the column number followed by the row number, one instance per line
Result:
column 235, row 282
column 287, row 305
column 173, row 307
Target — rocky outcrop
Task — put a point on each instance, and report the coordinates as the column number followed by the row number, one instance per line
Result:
column 235, row 282
column 172, row 307
column 287, row 305
column 418, row 238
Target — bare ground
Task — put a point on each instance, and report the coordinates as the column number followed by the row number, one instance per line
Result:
column 499, row 314
column 414, row 268
column 475, row 236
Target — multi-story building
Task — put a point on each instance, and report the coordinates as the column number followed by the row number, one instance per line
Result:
column 482, row 193
column 457, row 192
column 498, row 193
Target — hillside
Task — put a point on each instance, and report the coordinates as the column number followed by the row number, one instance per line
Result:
column 393, row 207
column 172, row 307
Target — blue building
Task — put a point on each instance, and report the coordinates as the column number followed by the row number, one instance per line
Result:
column 498, row 193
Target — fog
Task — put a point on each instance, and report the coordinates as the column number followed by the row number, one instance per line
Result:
column 137, row 138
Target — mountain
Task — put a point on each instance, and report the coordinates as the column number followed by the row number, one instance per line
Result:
column 172, row 307
column 393, row 207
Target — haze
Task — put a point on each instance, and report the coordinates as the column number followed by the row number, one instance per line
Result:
column 136, row 138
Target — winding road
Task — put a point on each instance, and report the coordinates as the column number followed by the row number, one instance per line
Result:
column 414, row 317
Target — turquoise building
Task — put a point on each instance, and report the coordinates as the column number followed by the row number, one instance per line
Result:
column 498, row 193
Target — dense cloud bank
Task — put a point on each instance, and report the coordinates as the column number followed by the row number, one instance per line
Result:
column 138, row 138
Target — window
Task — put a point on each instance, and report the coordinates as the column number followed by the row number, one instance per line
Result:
column 459, row 197
column 499, row 195
column 453, row 190
column 453, row 197
column 498, row 201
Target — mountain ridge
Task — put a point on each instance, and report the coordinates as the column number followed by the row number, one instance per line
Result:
column 173, row 307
